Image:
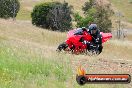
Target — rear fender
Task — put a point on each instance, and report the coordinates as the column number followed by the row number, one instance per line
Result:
column 106, row 36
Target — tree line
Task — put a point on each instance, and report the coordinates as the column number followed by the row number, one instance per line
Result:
column 58, row 16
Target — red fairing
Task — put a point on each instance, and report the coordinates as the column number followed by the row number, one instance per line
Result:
column 74, row 40
column 105, row 36
column 70, row 33
column 85, row 35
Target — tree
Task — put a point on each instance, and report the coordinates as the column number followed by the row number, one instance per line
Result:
column 82, row 21
column 88, row 5
column 59, row 17
column 102, row 17
column 9, row 8
column 52, row 15
column 100, row 13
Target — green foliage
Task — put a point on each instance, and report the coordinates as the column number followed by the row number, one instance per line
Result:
column 52, row 15
column 96, row 13
column 39, row 14
column 82, row 22
column 88, row 5
column 9, row 8
column 91, row 12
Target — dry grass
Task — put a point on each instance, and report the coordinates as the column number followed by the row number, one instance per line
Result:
column 27, row 7
column 23, row 30
column 29, row 44
column 27, row 55
column 129, row 37
column 125, row 7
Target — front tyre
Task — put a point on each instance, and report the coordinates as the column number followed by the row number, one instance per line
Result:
column 62, row 46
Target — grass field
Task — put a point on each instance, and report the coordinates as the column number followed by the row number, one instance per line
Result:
column 123, row 6
column 28, row 59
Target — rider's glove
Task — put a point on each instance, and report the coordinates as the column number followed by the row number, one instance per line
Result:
column 85, row 42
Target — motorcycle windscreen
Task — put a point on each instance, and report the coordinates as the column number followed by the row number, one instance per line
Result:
column 75, row 31
column 106, row 36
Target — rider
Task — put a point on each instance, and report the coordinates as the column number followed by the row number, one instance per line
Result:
column 96, row 36
column 95, row 33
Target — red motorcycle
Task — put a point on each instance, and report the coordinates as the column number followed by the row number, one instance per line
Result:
column 75, row 42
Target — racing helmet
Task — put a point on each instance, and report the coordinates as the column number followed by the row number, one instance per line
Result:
column 93, row 28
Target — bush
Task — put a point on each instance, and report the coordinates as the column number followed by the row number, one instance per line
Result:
column 82, row 22
column 52, row 15
column 9, row 8
column 39, row 14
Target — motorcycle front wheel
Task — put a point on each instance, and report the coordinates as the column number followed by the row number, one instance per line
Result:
column 62, row 46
